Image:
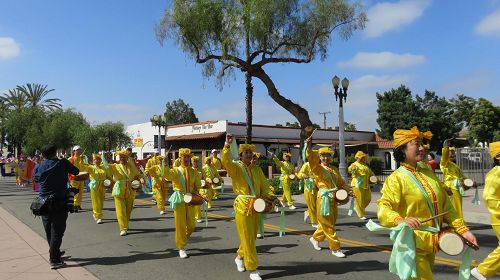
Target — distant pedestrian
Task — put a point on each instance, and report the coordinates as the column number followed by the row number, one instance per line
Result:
column 52, row 174
column 432, row 161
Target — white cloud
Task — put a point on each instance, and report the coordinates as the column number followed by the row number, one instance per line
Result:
column 382, row 60
column 386, row 16
column 490, row 25
column 9, row 48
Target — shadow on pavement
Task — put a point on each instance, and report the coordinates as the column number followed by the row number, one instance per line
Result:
column 300, row 268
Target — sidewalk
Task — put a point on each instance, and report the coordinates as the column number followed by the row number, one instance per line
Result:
column 24, row 254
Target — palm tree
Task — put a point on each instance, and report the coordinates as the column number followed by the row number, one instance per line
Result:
column 3, row 115
column 35, row 96
column 14, row 100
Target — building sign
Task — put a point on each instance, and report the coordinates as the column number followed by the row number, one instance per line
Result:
column 138, row 142
column 202, row 128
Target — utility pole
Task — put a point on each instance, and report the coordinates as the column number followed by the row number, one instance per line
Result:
column 324, row 118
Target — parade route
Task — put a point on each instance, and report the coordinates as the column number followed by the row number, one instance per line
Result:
column 148, row 251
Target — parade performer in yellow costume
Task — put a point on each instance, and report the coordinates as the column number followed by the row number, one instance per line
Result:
column 248, row 183
column 453, row 176
column 155, row 168
column 97, row 174
column 310, row 193
column 195, row 164
column 410, row 195
column 328, row 180
column 287, row 171
column 210, row 172
column 77, row 160
column 216, row 162
column 360, row 183
column 491, row 195
column 185, row 180
column 123, row 174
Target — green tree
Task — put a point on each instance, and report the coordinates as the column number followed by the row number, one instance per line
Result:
column 463, row 106
column 22, row 126
column 350, row 126
column 112, row 136
column 277, row 31
column 485, row 121
column 179, row 112
column 438, row 117
column 36, row 94
column 62, row 126
column 396, row 109
column 14, row 100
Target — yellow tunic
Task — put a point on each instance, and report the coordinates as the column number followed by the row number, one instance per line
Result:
column 210, row 172
column 452, row 175
column 81, row 165
column 360, row 184
column 327, row 178
column 287, row 169
column 97, row 176
column 309, row 193
column 184, row 214
column 491, row 196
column 401, row 198
column 245, row 217
column 124, row 195
column 158, row 182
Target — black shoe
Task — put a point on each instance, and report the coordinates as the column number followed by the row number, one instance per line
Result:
column 61, row 253
column 56, row 265
column 75, row 209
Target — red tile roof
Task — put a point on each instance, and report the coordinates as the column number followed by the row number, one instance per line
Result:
column 383, row 143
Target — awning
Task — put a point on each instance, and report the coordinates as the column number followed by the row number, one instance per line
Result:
column 203, row 136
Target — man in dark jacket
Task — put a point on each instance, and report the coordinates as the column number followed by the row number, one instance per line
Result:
column 52, row 174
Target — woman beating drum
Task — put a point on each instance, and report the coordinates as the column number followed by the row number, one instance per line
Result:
column 310, row 193
column 411, row 195
column 329, row 181
column 186, row 184
column 99, row 181
column 213, row 179
column 155, row 168
column 249, row 184
column 286, row 178
column 362, row 176
column 491, row 196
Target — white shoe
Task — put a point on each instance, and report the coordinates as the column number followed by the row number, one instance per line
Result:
column 162, row 212
column 306, row 215
column 291, row 208
column 363, row 218
column 338, row 253
column 183, row 254
column 315, row 243
column 239, row 264
column 474, row 272
column 255, row 275
column 199, row 220
column 314, row 225
column 259, row 235
column 99, row 221
column 123, row 233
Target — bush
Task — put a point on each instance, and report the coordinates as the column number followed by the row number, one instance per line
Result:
column 275, row 182
column 376, row 165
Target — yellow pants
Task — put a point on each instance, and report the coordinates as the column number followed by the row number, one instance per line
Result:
column 77, row 201
column 424, row 263
column 326, row 225
column 310, row 198
column 19, row 181
column 491, row 264
column 184, row 224
column 209, row 194
column 287, row 193
column 456, row 201
column 161, row 192
column 363, row 198
column 97, row 195
column 123, row 207
column 247, row 230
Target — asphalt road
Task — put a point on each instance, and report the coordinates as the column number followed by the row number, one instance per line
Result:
column 148, row 251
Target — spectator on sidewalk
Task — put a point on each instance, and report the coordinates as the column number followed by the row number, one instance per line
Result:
column 432, row 161
column 52, row 174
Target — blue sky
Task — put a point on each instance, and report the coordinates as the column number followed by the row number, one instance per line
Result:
column 102, row 58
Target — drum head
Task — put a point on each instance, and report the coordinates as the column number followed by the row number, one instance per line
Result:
column 291, row 176
column 203, row 183
column 215, row 180
column 451, row 244
column 107, row 183
column 468, row 183
column 259, row 205
column 135, row 184
column 341, row 194
column 373, row 179
column 188, row 197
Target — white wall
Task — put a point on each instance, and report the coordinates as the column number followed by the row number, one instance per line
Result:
column 147, row 132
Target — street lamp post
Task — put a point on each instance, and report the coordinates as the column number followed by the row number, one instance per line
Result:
column 160, row 121
column 341, row 93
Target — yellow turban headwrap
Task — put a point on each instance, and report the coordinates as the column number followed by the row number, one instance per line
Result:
column 494, row 149
column 427, row 146
column 96, row 156
column 195, row 158
column 256, row 154
column 451, row 148
column 246, row 147
column 184, row 152
column 325, row 150
column 122, row 153
column 403, row 136
column 360, row 154
column 208, row 160
column 287, row 155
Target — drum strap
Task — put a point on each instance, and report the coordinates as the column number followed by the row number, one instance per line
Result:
column 329, row 172
column 247, row 177
column 326, row 195
column 424, row 193
column 458, row 185
column 351, row 207
column 182, row 178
